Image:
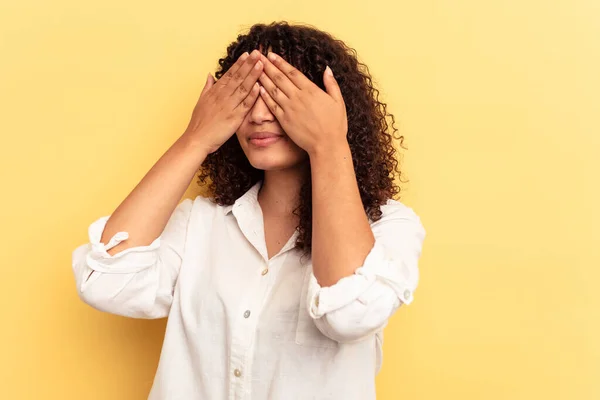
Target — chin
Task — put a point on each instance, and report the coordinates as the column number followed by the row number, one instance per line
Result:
column 274, row 161
column 280, row 155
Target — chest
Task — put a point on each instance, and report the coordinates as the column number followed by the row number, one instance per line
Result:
column 233, row 270
column 229, row 290
column 277, row 232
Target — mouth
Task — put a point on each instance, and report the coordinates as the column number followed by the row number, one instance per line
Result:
column 262, row 139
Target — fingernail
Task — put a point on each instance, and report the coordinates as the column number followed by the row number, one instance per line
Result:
column 329, row 71
column 272, row 56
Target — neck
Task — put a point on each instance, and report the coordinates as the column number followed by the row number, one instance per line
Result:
column 280, row 190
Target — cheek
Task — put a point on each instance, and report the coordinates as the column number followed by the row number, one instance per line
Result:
column 294, row 147
column 296, row 152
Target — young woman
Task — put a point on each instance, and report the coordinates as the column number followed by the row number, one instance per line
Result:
column 279, row 285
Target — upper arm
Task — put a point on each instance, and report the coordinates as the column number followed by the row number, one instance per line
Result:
column 360, row 304
column 137, row 281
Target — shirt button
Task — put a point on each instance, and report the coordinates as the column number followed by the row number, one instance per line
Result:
column 264, row 271
column 237, row 372
column 406, row 294
column 247, row 314
column 317, row 301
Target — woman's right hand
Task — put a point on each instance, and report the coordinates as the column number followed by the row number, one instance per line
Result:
column 223, row 105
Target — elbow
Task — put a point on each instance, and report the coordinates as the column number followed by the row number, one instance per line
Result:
column 132, row 295
column 85, row 277
column 356, row 322
column 98, row 296
column 343, row 334
column 347, row 330
column 97, row 299
column 126, row 285
column 126, row 303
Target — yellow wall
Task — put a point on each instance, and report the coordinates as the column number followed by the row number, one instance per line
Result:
column 499, row 103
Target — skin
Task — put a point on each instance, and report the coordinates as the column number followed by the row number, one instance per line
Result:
column 315, row 125
column 284, row 163
column 221, row 108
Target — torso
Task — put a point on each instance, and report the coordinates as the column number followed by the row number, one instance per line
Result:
column 238, row 326
column 277, row 232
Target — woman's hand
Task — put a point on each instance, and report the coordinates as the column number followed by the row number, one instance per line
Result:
column 312, row 118
column 223, row 105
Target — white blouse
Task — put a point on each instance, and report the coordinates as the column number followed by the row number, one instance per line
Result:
column 242, row 326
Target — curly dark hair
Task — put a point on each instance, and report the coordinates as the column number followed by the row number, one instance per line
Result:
column 374, row 156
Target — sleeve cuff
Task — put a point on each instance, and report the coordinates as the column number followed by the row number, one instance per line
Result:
column 377, row 265
column 130, row 260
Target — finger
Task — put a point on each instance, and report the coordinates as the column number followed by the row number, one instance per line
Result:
column 272, row 104
column 234, row 68
column 247, row 103
column 238, row 77
column 331, row 85
column 279, row 78
column 292, row 73
column 246, row 86
column 273, row 90
column 208, row 84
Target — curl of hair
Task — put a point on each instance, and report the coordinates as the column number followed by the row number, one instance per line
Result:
column 370, row 140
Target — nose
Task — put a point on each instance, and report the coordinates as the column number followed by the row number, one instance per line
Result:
column 260, row 112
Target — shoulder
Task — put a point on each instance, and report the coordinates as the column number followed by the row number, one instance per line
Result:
column 189, row 206
column 198, row 211
column 394, row 209
column 205, row 206
column 395, row 214
column 201, row 201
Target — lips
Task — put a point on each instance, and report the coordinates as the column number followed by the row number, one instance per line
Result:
column 264, row 139
column 263, row 135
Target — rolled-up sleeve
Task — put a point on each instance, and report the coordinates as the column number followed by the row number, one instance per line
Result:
column 359, row 305
column 138, row 281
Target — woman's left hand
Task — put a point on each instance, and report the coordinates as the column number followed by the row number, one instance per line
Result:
column 312, row 118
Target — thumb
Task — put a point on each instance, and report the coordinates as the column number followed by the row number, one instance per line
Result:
column 209, row 83
column 331, row 85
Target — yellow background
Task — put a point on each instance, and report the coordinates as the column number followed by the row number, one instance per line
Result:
column 499, row 104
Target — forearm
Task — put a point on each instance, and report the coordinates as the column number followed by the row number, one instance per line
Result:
column 145, row 212
column 341, row 233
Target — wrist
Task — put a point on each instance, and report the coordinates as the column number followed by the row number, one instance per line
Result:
column 195, row 144
column 194, row 140
column 330, row 150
